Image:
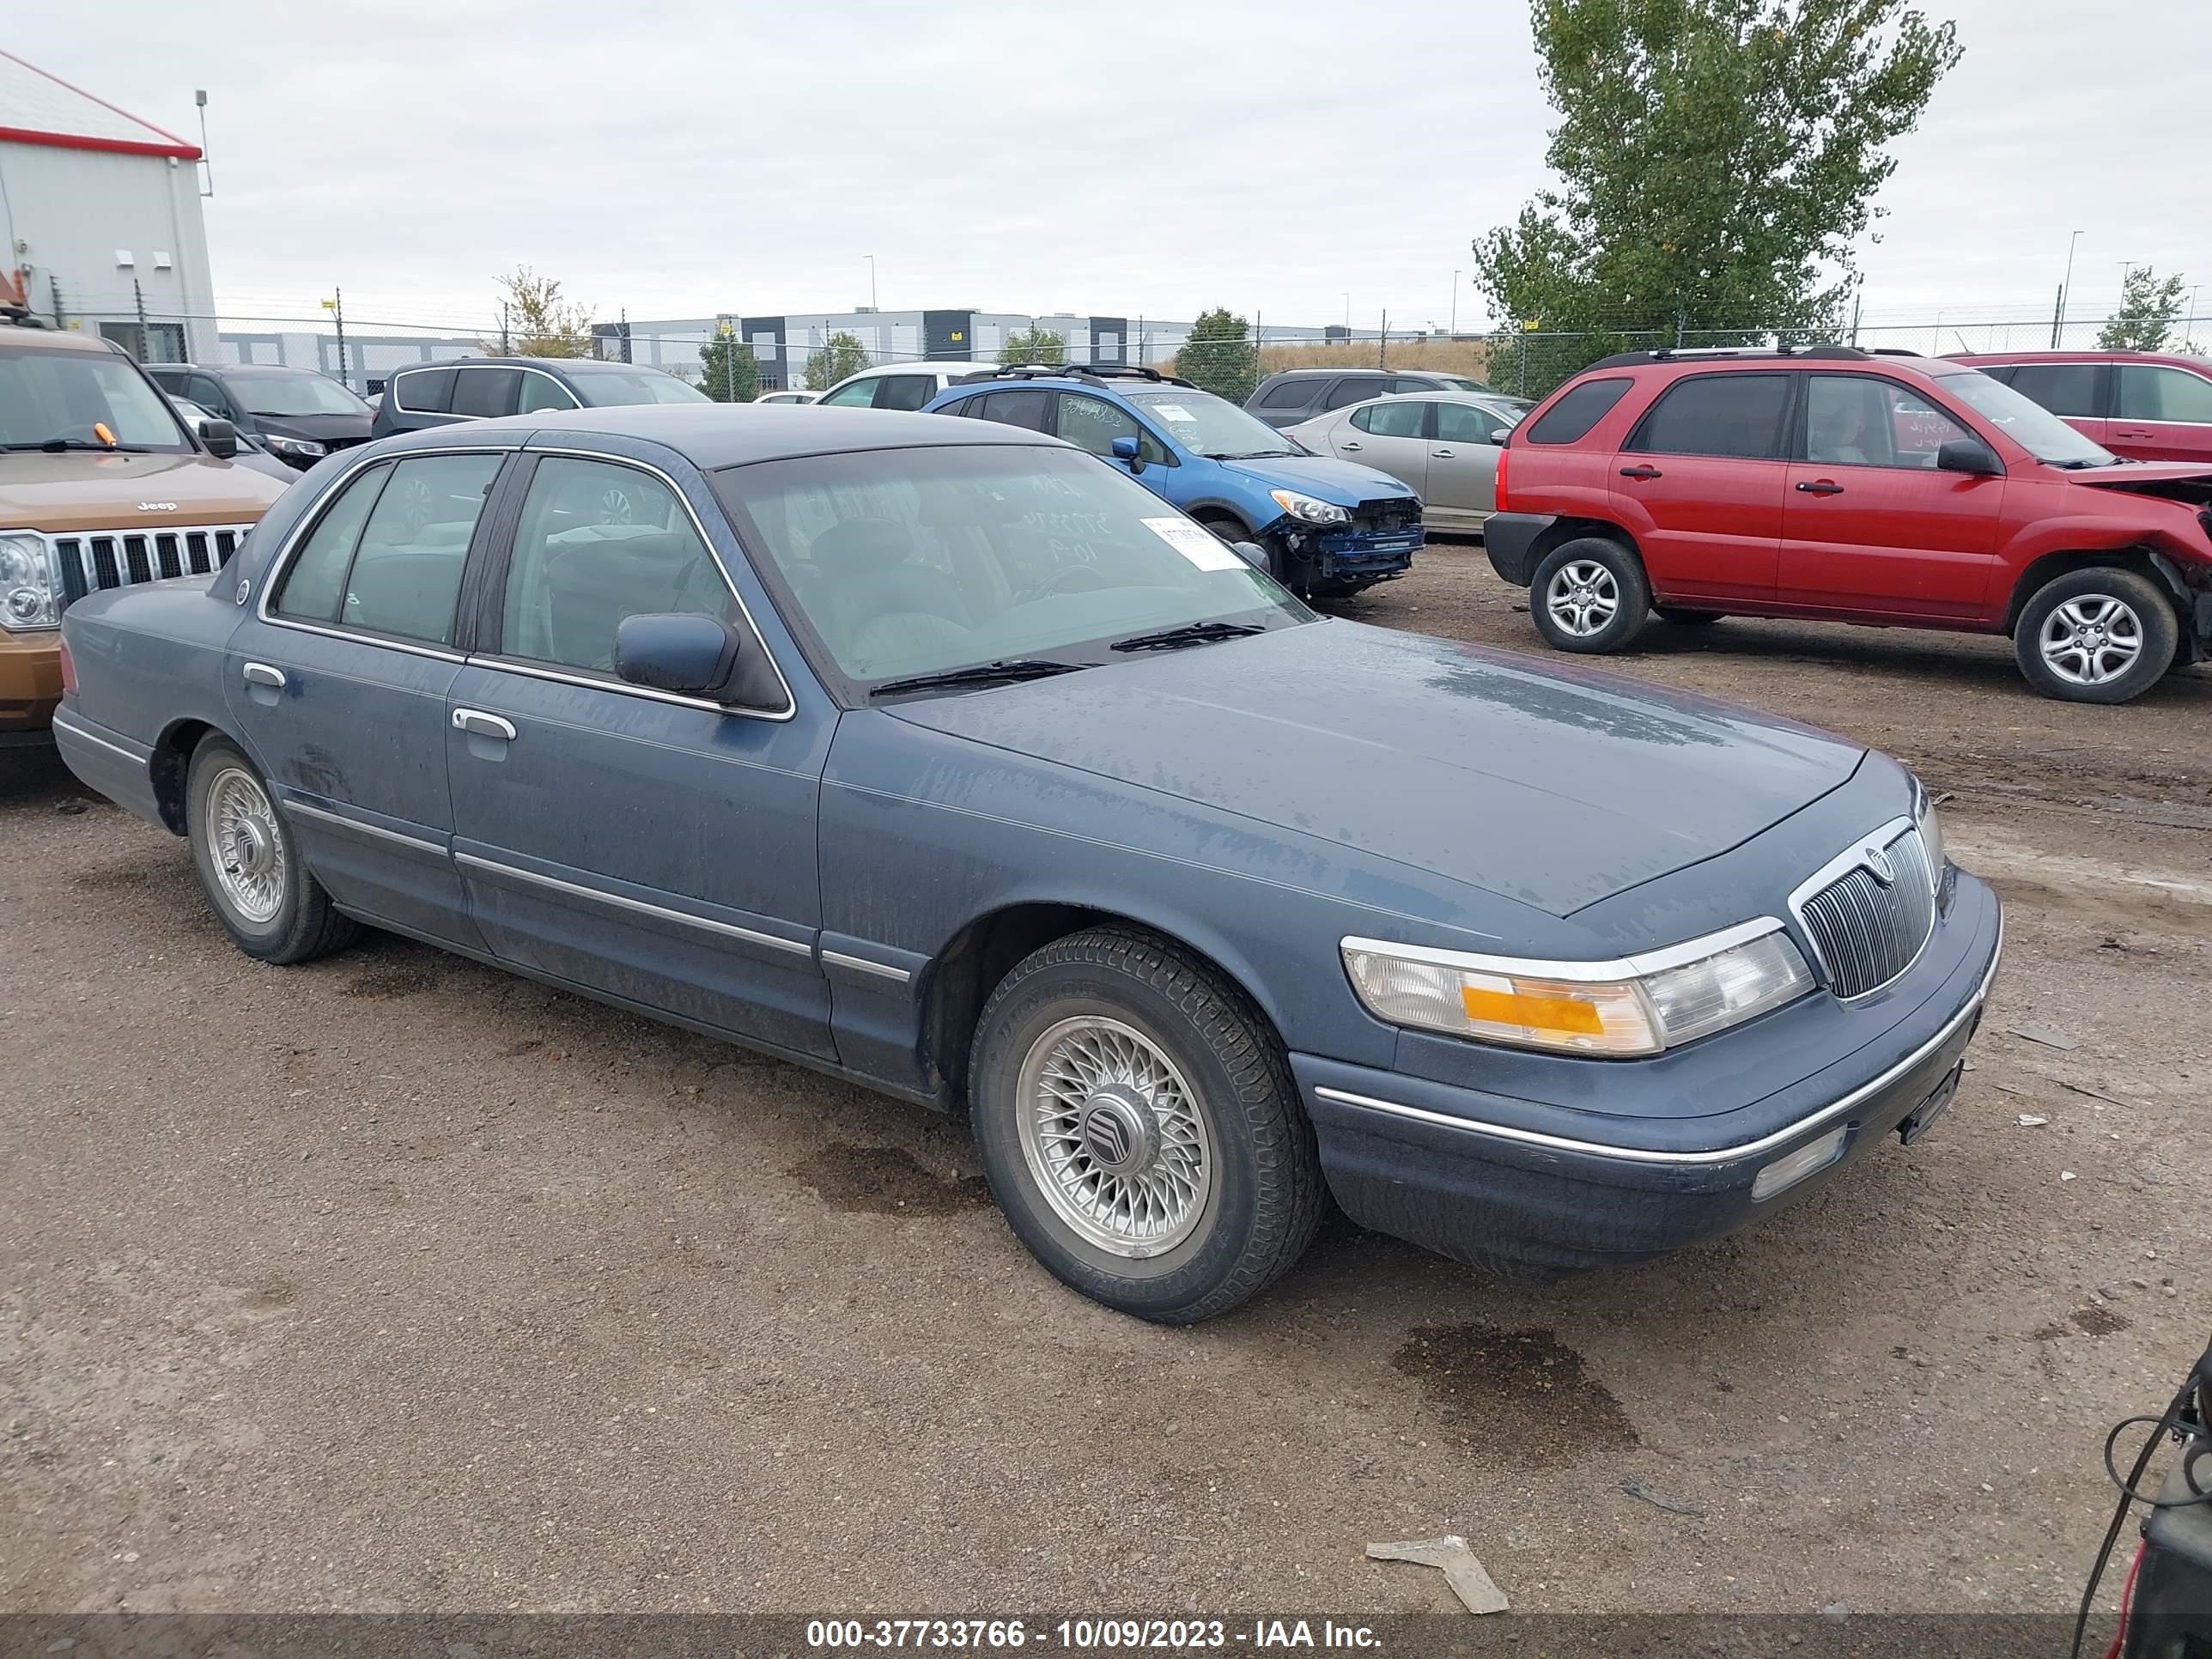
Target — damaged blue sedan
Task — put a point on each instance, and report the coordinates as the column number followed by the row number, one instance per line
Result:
column 940, row 756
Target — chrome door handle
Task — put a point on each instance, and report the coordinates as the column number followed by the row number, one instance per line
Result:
column 476, row 722
column 260, row 673
column 1353, row 443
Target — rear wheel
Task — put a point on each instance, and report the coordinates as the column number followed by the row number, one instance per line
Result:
column 1589, row 595
column 249, row 865
column 1140, row 1128
column 2104, row 634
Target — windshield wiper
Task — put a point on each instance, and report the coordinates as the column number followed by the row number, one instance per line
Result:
column 1005, row 672
column 56, row 445
column 1197, row 633
column 1255, row 455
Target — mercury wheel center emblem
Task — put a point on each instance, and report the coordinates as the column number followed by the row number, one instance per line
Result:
column 1116, row 1128
column 1877, row 863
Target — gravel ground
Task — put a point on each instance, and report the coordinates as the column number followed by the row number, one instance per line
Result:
column 394, row 1283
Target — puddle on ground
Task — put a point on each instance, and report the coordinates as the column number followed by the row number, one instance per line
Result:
column 1521, row 1395
column 885, row 1181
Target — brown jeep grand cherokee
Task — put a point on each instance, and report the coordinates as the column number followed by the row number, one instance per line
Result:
column 100, row 484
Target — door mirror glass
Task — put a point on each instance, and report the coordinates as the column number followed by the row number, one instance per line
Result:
column 221, row 438
column 1969, row 455
column 692, row 655
column 1125, row 449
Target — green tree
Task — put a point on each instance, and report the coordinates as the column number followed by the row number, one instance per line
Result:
column 729, row 371
column 537, row 321
column 1717, row 161
column 1220, row 355
column 2149, row 310
column 1034, row 345
column 836, row 357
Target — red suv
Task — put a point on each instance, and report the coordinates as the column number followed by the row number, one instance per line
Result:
column 1845, row 486
column 2146, row 407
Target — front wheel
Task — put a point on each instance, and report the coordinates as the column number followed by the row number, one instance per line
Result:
column 1140, row 1129
column 2102, row 634
column 249, row 865
column 1589, row 595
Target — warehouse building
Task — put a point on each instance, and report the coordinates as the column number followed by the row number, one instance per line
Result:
column 102, row 216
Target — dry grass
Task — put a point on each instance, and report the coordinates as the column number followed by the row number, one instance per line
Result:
column 1468, row 357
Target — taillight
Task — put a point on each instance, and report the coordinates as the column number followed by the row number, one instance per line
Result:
column 1502, row 455
column 68, row 670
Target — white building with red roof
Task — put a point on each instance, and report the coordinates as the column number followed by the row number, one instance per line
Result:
column 102, row 212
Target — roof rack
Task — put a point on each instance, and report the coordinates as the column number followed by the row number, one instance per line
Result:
column 1895, row 351
column 1699, row 354
column 1100, row 372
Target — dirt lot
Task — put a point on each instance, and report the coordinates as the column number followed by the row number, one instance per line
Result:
column 395, row 1283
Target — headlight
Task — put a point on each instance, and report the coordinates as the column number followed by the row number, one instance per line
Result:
column 304, row 449
column 1311, row 508
column 1931, row 831
column 28, row 598
column 1636, row 1006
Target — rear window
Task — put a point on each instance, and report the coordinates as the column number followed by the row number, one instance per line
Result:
column 425, row 391
column 1578, row 409
column 1736, row 416
column 1288, row 394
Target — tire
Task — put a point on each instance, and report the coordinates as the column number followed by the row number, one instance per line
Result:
column 1159, row 1059
column 2103, row 635
column 249, row 865
column 1226, row 525
column 1600, row 585
column 1675, row 616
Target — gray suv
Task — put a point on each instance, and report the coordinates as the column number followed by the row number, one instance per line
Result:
column 1299, row 394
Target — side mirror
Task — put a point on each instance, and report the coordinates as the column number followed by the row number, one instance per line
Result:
column 221, row 438
column 693, row 655
column 1126, row 449
column 1255, row 555
column 1969, row 455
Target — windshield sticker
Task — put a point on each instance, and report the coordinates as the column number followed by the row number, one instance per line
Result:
column 1174, row 412
column 1202, row 547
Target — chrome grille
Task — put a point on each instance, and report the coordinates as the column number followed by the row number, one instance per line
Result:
column 89, row 561
column 1866, row 930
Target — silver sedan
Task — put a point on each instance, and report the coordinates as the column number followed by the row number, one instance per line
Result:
column 1445, row 444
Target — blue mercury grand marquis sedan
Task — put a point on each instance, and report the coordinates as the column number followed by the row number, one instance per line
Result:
column 938, row 755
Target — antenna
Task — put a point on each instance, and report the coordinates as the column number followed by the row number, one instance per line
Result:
column 207, row 168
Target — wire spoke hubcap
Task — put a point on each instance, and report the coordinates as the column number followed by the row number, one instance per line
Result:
column 2091, row 639
column 1583, row 598
column 1113, row 1136
column 245, row 848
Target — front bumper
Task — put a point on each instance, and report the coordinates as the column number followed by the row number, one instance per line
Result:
column 30, row 685
column 1503, row 1183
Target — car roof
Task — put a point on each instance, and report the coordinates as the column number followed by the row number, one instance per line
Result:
column 2176, row 359
column 33, row 338
column 233, row 369
column 711, row 435
column 931, row 366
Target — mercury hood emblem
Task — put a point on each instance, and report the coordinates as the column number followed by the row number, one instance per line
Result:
column 1877, row 862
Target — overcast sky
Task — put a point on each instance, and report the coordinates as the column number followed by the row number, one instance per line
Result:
column 680, row 160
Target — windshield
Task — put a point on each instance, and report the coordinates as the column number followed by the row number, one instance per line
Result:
column 2027, row 423
column 1463, row 383
column 61, row 398
column 907, row 562
column 1210, row 425
column 604, row 388
column 297, row 394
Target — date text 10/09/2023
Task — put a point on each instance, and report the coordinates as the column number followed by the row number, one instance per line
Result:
column 1086, row 1635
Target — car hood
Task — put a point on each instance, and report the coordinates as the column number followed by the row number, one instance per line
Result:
column 1342, row 483
column 1554, row 787
column 323, row 429
column 82, row 489
column 2176, row 480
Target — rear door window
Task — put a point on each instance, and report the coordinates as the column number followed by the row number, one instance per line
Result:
column 1399, row 418
column 424, row 390
column 406, row 574
column 905, row 391
column 1288, row 394
column 1579, row 408
column 316, row 576
column 1026, row 409
column 2070, row 389
column 1738, row 417
column 484, row 392
column 1355, row 389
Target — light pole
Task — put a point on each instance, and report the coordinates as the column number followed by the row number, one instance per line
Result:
column 1347, row 314
column 2065, row 293
column 1454, row 310
column 871, row 258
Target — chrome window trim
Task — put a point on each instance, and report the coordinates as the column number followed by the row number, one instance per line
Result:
column 338, row 820
column 1638, row 966
column 280, row 561
column 1764, row 1144
column 1842, row 864
column 391, row 390
column 863, row 965
column 561, row 673
column 617, row 900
